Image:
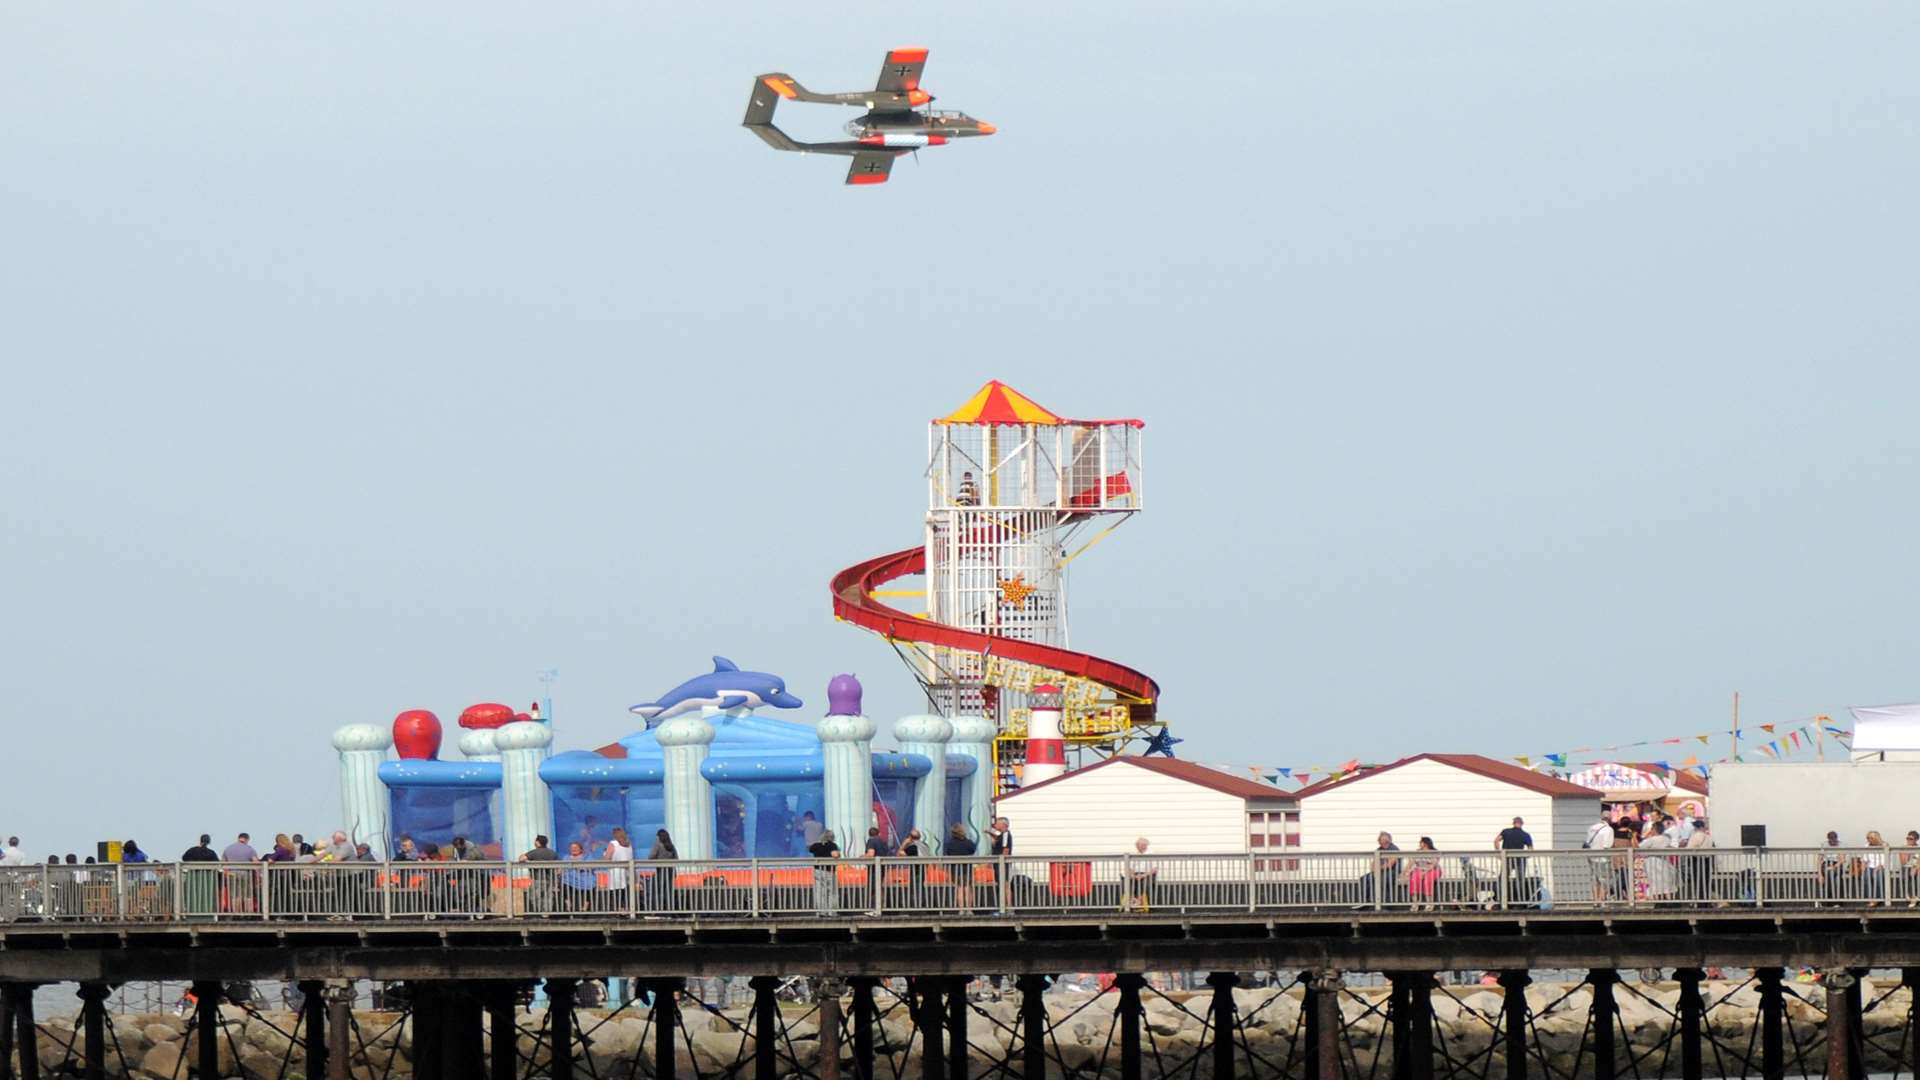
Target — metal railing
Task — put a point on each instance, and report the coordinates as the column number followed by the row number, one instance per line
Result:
column 1614, row 879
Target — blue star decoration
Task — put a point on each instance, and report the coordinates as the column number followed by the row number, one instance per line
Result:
column 1161, row 742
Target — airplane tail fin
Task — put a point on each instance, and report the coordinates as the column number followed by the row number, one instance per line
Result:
column 768, row 90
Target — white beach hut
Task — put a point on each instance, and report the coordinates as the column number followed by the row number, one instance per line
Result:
column 1462, row 801
column 1182, row 808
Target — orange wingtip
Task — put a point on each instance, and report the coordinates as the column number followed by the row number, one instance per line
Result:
column 782, row 87
column 908, row 54
column 868, row 178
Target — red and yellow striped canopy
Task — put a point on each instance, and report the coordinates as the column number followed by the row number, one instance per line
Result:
column 998, row 403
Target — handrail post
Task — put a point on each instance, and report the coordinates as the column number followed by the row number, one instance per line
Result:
column 386, row 889
column 1635, row 868
column 633, row 888
column 266, row 892
column 1759, row 877
column 1506, row 877
column 46, row 892
column 1379, row 879
column 1253, row 899
column 1126, row 882
column 753, row 875
column 120, row 891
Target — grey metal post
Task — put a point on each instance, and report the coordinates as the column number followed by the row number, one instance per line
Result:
column 1773, row 1058
column 1326, row 1023
column 1691, row 1009
column 665, row 1017
column 1514, row 1009
column 1602, row 980
column 1857, row 1052
column 957, row 1028
column 862, row 1026
column 339, row 995
column 766, row 1013
column 93, row 1017
column 560, row 1012
column 1840, row 1025
column 933, row 1062
column 1033, row 1027
column 1223, row 983
column 827, row 996
column 314, row 1008
column 1130, row 984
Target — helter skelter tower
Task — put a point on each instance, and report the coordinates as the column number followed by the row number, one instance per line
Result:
column 1015, row 493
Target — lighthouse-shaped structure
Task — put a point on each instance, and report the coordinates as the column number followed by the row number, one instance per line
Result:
column 1015, row 493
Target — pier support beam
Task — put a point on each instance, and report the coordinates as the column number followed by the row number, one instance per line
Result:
column 1323, row 1025
column 560, row 1013
column 463, row 1023
column 93, row 1021
column 339, row 1002
column 1514, row 1021
column 1691, row 1010
column 1129, row 984
column 1602, row 981
column 1842, row 1024
column 207, row 994
column 1414, row 1027
column 6, row 1031
column 1910, row 978
column 766, row 1019
column 933, row 1025
column 313, row 1010
column 827, row 996
column 666, row 1016
column 1033, row 1027
column 427, row 1002
column 1857, row 1054
column 863, row 1020
column 24, row 1032
column 1773, row 1056
column 1224, row 1025
column 957, row 1028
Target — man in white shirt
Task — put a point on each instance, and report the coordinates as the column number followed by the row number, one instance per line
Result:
column 15, row 855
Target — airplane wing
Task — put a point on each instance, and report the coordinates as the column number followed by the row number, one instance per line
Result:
column 870, row 167
column 902, row 70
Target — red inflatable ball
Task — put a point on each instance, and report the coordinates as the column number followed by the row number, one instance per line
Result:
column 487, row 714
column 416, row 735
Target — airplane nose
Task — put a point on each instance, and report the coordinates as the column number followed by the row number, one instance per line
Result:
column 986, row 128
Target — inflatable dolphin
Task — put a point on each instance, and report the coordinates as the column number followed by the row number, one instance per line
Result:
column 726, row 687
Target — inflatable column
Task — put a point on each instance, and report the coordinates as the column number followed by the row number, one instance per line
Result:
column 683, row 744
column 927, row 736
column 478, row 745
column 529, row 807
column 973, row 737
column 363, row 798
column 846, row 746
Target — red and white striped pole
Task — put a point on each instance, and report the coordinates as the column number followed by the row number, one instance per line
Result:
column 1046, row 751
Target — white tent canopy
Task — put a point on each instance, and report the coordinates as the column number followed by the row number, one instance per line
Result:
column 1879, row 728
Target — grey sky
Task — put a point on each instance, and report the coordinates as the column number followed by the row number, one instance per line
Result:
column 1516, row 375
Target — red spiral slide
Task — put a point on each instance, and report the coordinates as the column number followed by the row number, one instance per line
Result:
column 853, row 601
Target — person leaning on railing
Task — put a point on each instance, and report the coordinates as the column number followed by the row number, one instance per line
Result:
column 960, row 844
column 660, row 896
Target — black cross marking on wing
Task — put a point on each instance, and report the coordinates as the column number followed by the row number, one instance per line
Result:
column 902, row 70
column 874, row 167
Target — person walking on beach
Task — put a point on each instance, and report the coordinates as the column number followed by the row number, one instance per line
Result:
column 1511, row 839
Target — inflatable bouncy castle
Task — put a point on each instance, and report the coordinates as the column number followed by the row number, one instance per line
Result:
column 723, row 780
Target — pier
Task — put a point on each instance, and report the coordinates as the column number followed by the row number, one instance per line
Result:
column 904, row 938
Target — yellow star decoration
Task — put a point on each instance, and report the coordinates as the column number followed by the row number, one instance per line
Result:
column 1015, row 590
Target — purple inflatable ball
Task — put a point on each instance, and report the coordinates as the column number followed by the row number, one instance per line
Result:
column 843, row 696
